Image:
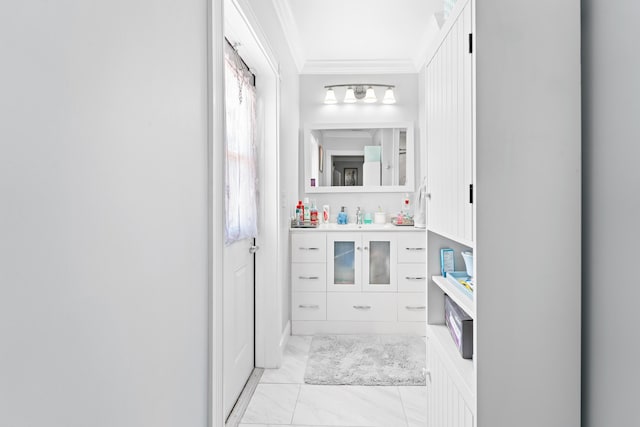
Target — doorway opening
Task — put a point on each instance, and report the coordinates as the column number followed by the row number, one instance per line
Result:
column 251, row 336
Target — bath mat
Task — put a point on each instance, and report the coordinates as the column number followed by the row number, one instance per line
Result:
column 366, row 360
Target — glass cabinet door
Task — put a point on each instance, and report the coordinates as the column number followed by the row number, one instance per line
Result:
column 344, row 252
column 380, row 259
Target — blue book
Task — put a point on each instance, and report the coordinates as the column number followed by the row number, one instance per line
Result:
column 447, row 262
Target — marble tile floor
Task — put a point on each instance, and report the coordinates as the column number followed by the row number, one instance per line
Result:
column 282, row 399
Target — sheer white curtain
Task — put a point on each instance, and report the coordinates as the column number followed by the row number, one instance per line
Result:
column 240, row 143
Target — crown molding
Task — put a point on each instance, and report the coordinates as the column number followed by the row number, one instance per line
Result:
column 425, row 46
column 359, row 67
column 290, row 30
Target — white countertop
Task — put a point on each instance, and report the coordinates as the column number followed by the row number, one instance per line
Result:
column 357, row 227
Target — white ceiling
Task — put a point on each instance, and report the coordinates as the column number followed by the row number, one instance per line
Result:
column 359, row 36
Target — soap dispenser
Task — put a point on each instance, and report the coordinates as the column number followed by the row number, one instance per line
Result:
column 342, row 216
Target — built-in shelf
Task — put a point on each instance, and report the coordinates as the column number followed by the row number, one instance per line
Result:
column 458, row 296
column 462, row 370
column 464, row 242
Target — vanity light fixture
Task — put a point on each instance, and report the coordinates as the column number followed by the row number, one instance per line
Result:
column 370, row 96
column 350, row 96
column 360, row 91
column 389, row 98
column 330, row 98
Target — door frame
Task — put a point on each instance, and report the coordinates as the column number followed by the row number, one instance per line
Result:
column 268, row 296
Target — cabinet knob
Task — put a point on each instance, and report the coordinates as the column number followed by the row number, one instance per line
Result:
column 366, row 248
column 309, row 249
column 359, row 248
column 309, row 306
column 362, row 307
column 414, row 278
column 308, row 277
column 415, row 307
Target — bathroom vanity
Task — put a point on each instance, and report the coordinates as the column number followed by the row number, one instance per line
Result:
column 357, row 278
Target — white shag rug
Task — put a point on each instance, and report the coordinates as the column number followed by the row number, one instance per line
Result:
column 366, row 360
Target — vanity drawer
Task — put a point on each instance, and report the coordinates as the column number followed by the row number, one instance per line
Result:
column 357, row 306
column 309, row 276
column 412, row 277
column 412, row 307
column 308, row 247
column 309, row 306
column 412, row 247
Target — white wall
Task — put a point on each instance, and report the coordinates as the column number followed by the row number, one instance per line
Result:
column 528, row 213
column 103, row 182
column 313, row 110
column 289, row 113
column 611, row 185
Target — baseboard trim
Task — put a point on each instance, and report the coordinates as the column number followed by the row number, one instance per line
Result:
column 311, row 327
column 284, row 338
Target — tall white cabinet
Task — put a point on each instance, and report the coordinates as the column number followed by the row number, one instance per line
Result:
column 449, row 132
column 502, row 113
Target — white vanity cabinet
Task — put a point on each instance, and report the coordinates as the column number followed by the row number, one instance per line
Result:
column 358, row 281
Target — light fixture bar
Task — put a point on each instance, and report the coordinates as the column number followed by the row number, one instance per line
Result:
column 359, row 84
column 360, row 91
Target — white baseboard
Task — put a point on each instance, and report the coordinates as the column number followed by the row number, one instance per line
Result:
column 311, row 327
column 284, row 338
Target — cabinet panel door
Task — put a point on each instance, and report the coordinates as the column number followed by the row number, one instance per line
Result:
column 412, row 247
column 412, row 307
column 309, row 277
column 379, row 262
column 446, row 405
column 412, row 278
column 344, row 259
column 449, row 106
column 361, row 306
column 308, row 247
column 309, row 306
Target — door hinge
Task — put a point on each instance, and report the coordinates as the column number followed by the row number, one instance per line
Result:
column 470, row 42
column 470, row 193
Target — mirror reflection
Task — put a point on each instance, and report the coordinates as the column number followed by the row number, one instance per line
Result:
column 357, row 157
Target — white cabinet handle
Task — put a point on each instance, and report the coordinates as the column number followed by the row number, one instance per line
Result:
column 415, row 249
column 362, row 307
column 309, row 249
column 314, row 306
column 415, row 307
column 414, row 277
column 308, row 277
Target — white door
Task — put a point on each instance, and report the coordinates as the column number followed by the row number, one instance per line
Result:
column 238, row 319
column 241, row 226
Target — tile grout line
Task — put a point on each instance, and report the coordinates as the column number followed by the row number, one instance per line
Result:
column 404, row 411
column 295, row 406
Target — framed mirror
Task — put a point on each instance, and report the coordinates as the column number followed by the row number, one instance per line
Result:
column 359, row 158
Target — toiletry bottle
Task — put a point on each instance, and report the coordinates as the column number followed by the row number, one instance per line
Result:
column 301, row 211
column 325, row 214
column 314, row 213
column 342, row 216
column 406, row 206
column 307, row 210
column 297, row 216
